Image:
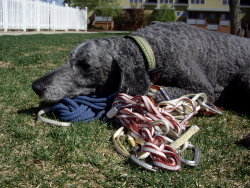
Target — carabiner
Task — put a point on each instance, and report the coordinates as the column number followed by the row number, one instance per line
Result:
column 210, row 108
column 142, row 164
column 116, row 141
column 165, row 95
column 197, row 156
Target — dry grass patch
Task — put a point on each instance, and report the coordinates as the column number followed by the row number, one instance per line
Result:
column 6, row 65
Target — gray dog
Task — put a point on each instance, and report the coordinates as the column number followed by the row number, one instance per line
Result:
column 193, row 60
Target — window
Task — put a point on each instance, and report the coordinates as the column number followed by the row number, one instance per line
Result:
column 225, row 2
column 225, row 16
column 179, row 13
column 192, row 15
column 181, row 2
column 135, row 1
column 196, row 15
column 213, row 18
column 198, row 2
column 166, row 1
column 201, row 16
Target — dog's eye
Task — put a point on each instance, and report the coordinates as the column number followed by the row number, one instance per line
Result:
column 84, row 64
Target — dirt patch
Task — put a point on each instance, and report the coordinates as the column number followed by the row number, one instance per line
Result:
column 4, row 64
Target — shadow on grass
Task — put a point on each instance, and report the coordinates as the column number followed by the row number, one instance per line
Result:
column 245, row 142
column 34, row 110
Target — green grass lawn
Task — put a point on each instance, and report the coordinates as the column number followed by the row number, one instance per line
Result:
column 36, row 154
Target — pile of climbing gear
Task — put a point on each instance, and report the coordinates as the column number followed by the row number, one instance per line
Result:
column 78, row 109
column 157, row 133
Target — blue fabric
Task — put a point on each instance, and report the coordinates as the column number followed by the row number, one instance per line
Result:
column 83, row 108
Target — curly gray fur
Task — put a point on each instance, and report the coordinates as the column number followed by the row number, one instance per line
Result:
column 194, row 60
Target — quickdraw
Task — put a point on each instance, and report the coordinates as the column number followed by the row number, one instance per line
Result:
column 156, row 131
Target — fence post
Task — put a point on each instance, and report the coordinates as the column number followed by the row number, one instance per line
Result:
column 86, row 18
column 53, row 8
column 78, row 19
column 24, row 16
column 5, row 15
column 67, row 17
column 38, row 18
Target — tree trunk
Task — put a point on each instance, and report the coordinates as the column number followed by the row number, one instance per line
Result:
column 234, row 6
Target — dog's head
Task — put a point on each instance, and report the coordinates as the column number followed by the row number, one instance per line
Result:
column 95, row 67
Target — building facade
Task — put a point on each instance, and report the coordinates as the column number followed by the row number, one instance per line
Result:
column 208, row 14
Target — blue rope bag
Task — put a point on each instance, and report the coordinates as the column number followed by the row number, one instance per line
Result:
column 83, row 108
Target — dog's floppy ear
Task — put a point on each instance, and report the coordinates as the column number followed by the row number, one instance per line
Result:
column 134, row 78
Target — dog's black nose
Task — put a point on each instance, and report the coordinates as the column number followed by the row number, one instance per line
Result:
column 38, row 88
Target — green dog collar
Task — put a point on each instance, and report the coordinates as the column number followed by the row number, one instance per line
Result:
column 146, row 49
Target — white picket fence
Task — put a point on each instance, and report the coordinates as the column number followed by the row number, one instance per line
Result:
column 34, row 14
